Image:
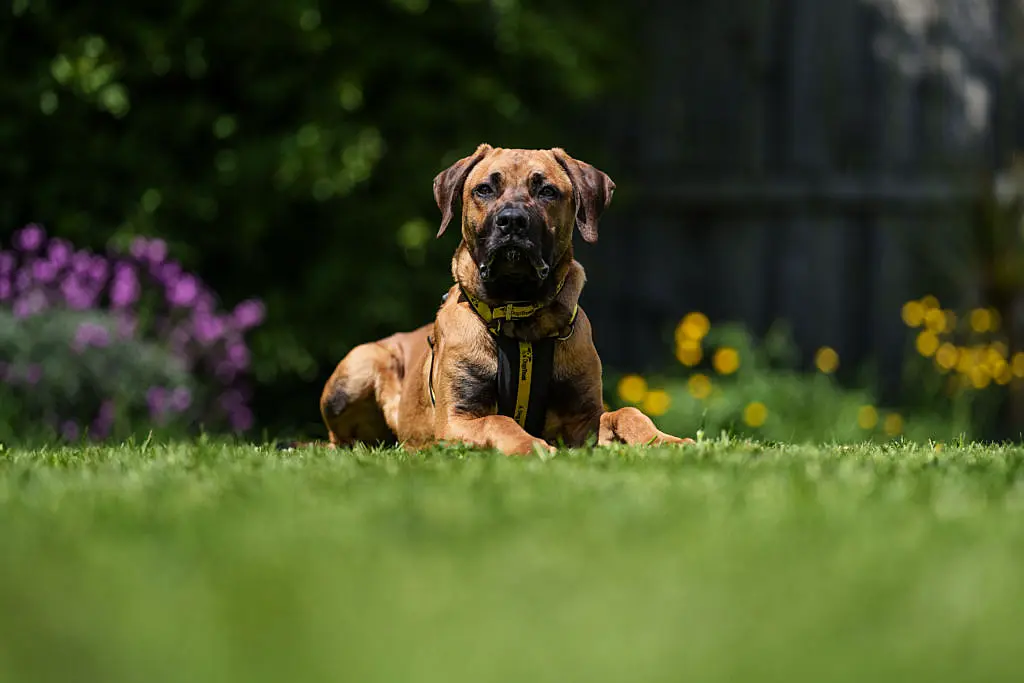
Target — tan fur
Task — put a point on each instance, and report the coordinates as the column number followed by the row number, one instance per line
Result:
column 379, row 391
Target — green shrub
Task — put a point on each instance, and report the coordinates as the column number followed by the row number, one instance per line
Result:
column 736, row 386
column 109, row 345
column 70, row 373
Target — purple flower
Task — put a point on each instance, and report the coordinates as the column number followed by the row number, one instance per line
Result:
column 168, row 274
column 156, row 401
column 208, row 328
column 183, row 291
column 90, row 334
column 238, row 355
column 240, row 418
column 138, row 248
column 43, row 271
column 125, row 289
column 205, row 303
column 69, row 430
column 157, row 251
column 59, row 253
column 81, row 262
column 180, row 399
column 248, row 314
column 76, row 296
column 29, row 238
column 22, row 280
column 29, row 305
column 98, row 268
column 33, row 373
column 104, row 421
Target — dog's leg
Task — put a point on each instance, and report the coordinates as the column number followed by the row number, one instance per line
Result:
column 360, row 399
column 493, row 431
column 629, row 425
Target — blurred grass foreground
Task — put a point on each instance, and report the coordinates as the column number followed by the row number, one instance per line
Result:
column 729, row 561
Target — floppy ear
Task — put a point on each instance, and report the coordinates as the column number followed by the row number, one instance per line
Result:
column 448, row 184
column 591, row 189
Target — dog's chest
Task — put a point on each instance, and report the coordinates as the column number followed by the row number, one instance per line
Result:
column 537, row 384
column 524, row 374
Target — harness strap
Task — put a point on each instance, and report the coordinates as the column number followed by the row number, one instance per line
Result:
column 524, row 376
column 430, row 376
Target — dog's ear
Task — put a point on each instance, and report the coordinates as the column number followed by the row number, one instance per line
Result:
column 448, row 184
column 591, row 189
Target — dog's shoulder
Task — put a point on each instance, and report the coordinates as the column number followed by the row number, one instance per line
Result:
column 457, row 325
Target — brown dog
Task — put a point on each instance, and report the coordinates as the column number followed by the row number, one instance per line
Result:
column 516, row 282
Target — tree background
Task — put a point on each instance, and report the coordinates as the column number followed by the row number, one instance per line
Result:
column 286, row 149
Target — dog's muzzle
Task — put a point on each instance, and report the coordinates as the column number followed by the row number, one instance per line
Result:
column 514, row 246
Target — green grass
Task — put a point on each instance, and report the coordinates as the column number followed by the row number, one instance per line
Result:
column 723, row 562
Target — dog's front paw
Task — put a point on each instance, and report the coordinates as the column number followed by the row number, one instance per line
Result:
column 531, row 447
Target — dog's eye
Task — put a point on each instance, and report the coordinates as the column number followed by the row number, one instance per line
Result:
column 483, row 190
column 549, row 192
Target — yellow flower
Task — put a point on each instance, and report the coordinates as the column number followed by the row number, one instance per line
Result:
column 929, row 302
column 699, row 386
column 726, row 360
column 827, row 360
column 688, row 352
column 1018, row 364
column 980, row 377
column 867, row 417
column 981, row 320
column 1003, row 374
column 656, row 403
column 935, row 320
column 694, row 326
column 913, row 313
column 927, row 343
column 947, row 356
column 950, row 320
column 632, row 388
column 893, row 424
column 994, row 359
column 755, row 414
column 968, row 359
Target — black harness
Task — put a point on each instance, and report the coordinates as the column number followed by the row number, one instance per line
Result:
column 524, row 368
column 524, row 375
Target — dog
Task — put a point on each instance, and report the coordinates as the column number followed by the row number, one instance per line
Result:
column 509, row 362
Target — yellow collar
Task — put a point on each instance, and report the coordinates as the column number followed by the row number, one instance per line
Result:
column 493, row 316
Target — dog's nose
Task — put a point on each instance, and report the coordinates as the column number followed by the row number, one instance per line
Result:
column 512, row 220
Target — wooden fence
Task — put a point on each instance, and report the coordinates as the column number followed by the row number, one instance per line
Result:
column 814, row 161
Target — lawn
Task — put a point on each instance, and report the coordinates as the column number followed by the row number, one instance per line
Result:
column 728, row 561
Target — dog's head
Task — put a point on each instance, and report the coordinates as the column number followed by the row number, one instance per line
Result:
column 519, row 207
